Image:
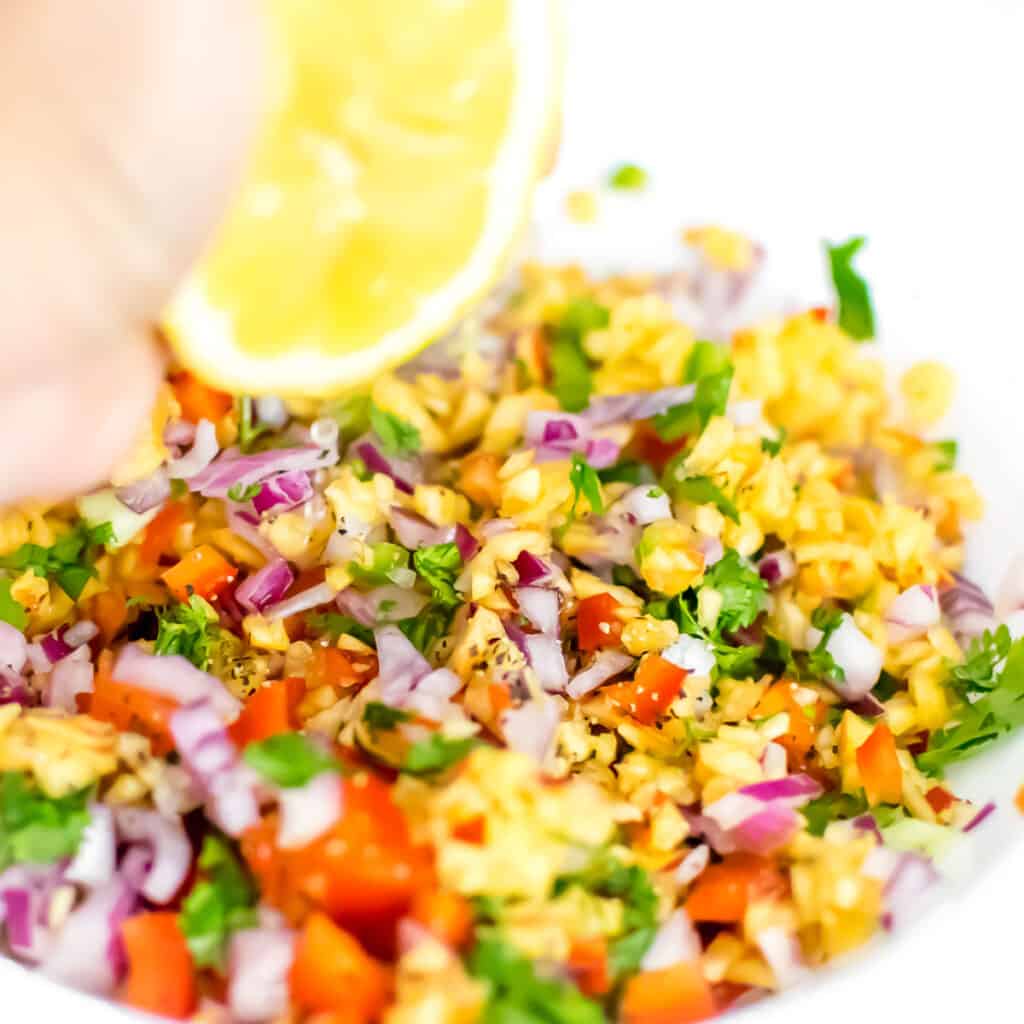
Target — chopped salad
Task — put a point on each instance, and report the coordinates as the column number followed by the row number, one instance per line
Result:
column 602, row 664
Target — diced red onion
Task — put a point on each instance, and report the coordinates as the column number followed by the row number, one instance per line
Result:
column 540, row 606
column 233, row 469
column 531, row 728
column 13, row 648
column 432, row 695
column 773, row 760
column 982, row 814
column 606, row 665
column 405, row 473
column 70, row 677
column 752, row 824
column 1010, row 596
column 172, row 676
column 913, row 612
column 691, row 653
column 792, row 790
column 54, row 647
column 693, row 864
column 855, row 654
column 640, row 405
column 25, row 894
column 393, row 604
column 283, row 492
column 313, row 597
column 203, row 451
column 867, row 823
column 643, row 505
column 308, row 811
column 210, row 756
column 969, row 611
column 179, row 433
column 602, row 452
column 358, row 605
column 81, row 633
column 168, row 845
column 531, row 568
column 493, row 527
column 782, row 952
column 265, row 587
column 553, row 429
column 869, row 706
column 413, row 531
column 467, row 544
column 37, row 659
column 777, row 567
column 95, row 859
column 675, row 942
column 904, row 891
column 14, row 690
column 145, row 495
column 270, row 411
column 246, row 524
column 402, row 667
column 259, row 960
column 544, row 654
column 747, row 413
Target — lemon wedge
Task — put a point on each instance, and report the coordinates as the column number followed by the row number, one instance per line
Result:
column 391, row 180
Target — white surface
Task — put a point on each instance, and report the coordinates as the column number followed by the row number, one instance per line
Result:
column 796, row 121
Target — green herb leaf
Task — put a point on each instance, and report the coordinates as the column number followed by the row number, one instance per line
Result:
column 981, row 668
column 585, row 482
column 289, row 759
column 744, row 594
column 820, row 662
column 397, row 437
column 425, row 629
column 707, row 367
column 833, row 806
column 11, row 611
column 219, row 904
column 439, row 565
column 945, row 456
column 69, row 561
column 518, row 995
column 385, row 558
column 191, row 630
column 340, row 625
column 352, row 414
column 243, row 492
column 856, row 315
column 628, row 177
column 35, row 828
column 571, row 379
column 383, row 717
column 774, row 445
column 436, row 753
column 702, row 490
column 705, row 359
column 627, row 472
column 248, row 431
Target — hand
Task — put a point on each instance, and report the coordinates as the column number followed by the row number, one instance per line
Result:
column 123, row 129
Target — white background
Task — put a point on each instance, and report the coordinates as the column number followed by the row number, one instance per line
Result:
column 796, row 121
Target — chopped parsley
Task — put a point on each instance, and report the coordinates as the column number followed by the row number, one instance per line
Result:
column 11, row 611
column 340, row 625
column 519, row 995
column 439, row 565
column 397, row 437
column 709, row 369
column 243, row 492
column 223, row 901
column 385, row 559
column 701, row 490
column 744, row 594
column 628, row 177
column 383, row 717
column 190, row 629
column 856, row 314
column 36, row 828
column 832, row 806
column 289, row 759
column 991, row 683
column 69, row 561
column 571, row 379
column 436, row 753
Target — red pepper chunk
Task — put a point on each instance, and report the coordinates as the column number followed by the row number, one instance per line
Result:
column 657, row 683
column 597, row 622
column 879, row 767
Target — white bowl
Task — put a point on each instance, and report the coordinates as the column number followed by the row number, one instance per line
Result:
column 797, row 121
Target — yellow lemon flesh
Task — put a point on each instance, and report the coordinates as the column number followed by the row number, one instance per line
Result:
column 392, row 177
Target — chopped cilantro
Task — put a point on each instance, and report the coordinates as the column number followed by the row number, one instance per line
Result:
column 69, row 561
column 705, row 359
column 223, row 901
column 833, row 806
column 340, row 625
column 438, row 565
column 519, row 995
column 248, row 432
column 190, row 629
column 886, row 687
column 429, row 626
column 385, row 559
column 10, row 610
column 383, row 717
column 629, row 177
column 992, row 704
column 709, row 369
column 397, row 437
column 702, row 490
column 571, row 379
column 289, row 759
column 585, row 482
column 744, row 594
column 35, row 828
column 737, row 662
column 856, row 315
column 820, row 662
column 774, row 445
column 352, row 414
column 945, row 456
column 436, row 753
column 627, row 472
column 243, row 492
